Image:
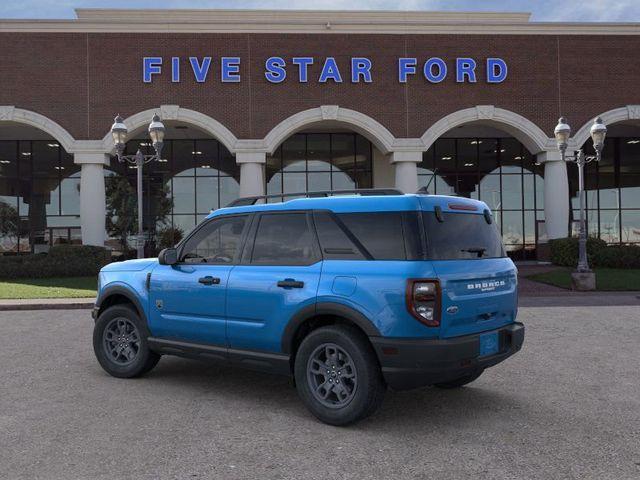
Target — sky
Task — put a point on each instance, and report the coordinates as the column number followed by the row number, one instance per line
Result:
column 542, row 10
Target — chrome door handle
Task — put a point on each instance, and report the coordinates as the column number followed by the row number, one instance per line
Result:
column 209, row 280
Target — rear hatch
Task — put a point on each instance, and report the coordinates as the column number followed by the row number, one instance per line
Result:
column 478, row 281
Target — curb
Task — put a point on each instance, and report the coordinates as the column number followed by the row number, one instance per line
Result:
column 76, row 305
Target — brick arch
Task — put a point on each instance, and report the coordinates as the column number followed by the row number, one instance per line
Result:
column 523, row 129
column 374, row 131
column 9, row 113
column 177, row 113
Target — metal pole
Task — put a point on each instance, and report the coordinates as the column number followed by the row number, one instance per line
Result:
column 583, row 263
column 140, row 239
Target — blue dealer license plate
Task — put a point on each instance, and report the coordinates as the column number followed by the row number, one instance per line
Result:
column 489, row 344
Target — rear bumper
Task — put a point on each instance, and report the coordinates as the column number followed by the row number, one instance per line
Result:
column 409, row 363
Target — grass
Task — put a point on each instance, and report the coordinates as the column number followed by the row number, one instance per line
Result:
column 71, row 287
column 607, row 279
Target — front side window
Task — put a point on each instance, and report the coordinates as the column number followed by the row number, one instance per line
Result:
column 284, row 239
column 218, row 242
column 461, row 236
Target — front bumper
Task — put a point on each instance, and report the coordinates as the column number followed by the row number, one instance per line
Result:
column 412, row 363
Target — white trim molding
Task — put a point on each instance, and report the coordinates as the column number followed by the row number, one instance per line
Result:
column 179, row 114
column 10, row 113
column 629, row 112
column 527, row 132
column 197, row 21
column 363, row 124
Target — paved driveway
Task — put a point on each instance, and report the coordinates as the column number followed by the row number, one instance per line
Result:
column 568, row 406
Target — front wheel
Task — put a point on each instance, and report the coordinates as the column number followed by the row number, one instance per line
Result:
column 337, row 375
column 120, row 343
column 460, row 382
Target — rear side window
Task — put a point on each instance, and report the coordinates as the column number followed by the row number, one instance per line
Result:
column 334, row 240
column 461, row 236
column 380, row 233
column 284, row 239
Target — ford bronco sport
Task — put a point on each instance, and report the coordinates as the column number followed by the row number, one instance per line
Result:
column 348, row 294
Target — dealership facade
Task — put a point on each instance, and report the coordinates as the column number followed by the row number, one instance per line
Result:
column 274, row 102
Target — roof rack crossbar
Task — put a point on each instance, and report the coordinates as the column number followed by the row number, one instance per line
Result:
column 245, row 201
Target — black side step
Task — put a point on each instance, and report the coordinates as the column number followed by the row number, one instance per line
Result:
column 270, row 362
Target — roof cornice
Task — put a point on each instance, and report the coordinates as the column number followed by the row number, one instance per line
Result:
column 312, row 21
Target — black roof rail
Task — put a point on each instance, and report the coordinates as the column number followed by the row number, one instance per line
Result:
column 245, row 201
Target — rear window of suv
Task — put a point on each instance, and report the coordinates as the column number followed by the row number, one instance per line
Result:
column 461, row 236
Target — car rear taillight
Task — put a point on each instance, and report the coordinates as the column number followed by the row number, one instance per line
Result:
column 423, row 301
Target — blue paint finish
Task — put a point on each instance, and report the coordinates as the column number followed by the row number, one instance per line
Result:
column 344, row 286
column 258, row 310
column 190, row 310
column 247, row 309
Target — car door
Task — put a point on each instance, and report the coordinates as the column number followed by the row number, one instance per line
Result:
column 278, row 275
column 188, row 299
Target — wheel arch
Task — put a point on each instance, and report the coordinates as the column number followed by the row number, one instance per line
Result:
column 117, row 295
column 320, row 314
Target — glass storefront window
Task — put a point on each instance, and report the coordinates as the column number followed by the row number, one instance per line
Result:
column 195, row 175
column 320, row 161
column 39, row 196
column 498, row 171
column 612, row 191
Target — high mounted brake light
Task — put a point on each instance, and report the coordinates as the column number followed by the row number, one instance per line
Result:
column 423, row 301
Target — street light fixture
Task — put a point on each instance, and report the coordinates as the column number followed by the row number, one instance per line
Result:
column 562, row 133
column 119, row 133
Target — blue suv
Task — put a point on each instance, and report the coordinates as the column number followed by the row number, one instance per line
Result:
column 348, row 294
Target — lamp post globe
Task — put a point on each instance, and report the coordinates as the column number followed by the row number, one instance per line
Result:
column 562, row 133
column 119, row 133
column 598, row 133
column 156, row 132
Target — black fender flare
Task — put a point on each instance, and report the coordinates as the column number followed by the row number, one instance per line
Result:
column 112, row 290
column 325, row 308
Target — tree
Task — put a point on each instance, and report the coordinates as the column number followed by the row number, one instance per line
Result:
column 122, row 208
column 9, row 221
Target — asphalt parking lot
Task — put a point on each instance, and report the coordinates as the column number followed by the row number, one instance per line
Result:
column 568, row 406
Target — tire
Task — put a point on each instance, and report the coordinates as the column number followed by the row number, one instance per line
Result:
column 132, row 357
column 460, row 382
column 346, row 354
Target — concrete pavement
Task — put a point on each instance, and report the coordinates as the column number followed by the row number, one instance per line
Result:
column 567, row 406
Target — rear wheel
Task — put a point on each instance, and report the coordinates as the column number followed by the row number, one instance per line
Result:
column 460, row 382
column 120, row 343
column 337, row 375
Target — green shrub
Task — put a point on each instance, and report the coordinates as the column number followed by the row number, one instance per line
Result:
column 61, row 261
column 564, row 251
column 618, row 256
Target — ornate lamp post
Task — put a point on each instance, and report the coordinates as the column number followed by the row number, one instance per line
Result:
column 583, row 275
column 119, row 133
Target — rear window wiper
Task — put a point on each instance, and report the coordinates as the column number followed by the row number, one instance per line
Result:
column 478, row 250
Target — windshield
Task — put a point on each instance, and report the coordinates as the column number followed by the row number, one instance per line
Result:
column 461, row 236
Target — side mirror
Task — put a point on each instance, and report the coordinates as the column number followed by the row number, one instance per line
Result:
column 168, row 256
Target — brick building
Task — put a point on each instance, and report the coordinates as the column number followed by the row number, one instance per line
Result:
column 282, row 101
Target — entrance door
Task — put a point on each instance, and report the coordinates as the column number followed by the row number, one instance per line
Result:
column 278, row 276
column 187, row 300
